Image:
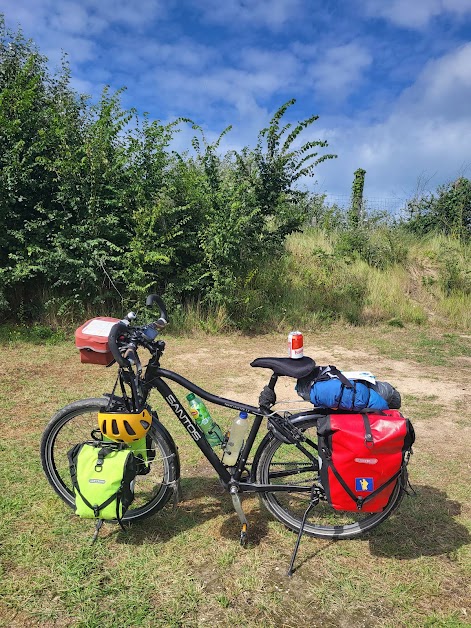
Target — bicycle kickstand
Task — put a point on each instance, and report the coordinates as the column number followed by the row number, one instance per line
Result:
column 314, row 502
column 243, row 519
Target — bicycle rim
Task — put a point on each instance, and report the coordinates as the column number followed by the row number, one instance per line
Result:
column 282, row 463
column 78, row 423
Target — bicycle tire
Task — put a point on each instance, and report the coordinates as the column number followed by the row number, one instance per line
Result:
column 74, row 424
column 288, row 508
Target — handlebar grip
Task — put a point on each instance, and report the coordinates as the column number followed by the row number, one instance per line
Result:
column 154, row 298
column 115, row 331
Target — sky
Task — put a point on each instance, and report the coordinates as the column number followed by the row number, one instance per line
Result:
column 389, row 79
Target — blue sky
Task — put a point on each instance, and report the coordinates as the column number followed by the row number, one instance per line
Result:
column 390, row 79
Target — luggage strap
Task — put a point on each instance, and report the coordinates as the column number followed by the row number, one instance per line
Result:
column 335, row 371
column 96, row 509
column 369, row 442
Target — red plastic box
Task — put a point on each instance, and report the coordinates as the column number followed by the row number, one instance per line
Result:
column 91, row 339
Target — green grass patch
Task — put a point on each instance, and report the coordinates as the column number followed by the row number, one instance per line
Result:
column 185, row 567
column 428, row 347
column 34, row 334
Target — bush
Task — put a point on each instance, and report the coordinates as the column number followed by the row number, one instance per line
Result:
column 380, row 247
column 98, row 211
column 448, row 211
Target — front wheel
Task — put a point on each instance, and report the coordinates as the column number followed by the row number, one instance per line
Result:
column 77, row 423
column 281, row 463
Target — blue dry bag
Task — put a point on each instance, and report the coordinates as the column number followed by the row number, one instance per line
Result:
column 335, row 394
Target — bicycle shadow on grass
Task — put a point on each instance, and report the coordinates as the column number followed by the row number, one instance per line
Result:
column 424, row 525
column 203, row 499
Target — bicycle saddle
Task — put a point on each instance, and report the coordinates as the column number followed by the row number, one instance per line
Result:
column 287, row 366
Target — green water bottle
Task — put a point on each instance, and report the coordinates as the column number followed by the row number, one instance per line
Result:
column 200, row 413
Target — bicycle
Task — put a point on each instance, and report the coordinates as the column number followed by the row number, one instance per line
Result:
column 284, row 470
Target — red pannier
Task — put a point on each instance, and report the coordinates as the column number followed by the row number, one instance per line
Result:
column 92, row 340
column 362, row 456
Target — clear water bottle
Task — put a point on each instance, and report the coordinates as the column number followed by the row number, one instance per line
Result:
column 200, row 413
column 235, row 440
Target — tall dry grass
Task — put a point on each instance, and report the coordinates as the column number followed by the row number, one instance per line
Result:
column 395, row 278
column 398, row 278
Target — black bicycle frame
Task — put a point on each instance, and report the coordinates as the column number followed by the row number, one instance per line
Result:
column 154, row 379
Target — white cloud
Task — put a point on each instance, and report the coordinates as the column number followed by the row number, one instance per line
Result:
column 257, row 75
column 130, row 14
column 152, row 54
column 444, row 86
column 415, row 13
column 76, row 27
column 70, row 17
column 429, row 130
column 85, row 17
column 79, row 49
column 272, row 14
column 339, row 70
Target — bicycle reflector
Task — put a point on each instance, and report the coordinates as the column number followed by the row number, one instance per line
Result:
column 124, row 427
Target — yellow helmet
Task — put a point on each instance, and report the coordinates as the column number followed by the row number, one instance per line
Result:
column 124, row 427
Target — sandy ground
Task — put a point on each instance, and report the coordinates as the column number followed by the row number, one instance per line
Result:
column 444, row 385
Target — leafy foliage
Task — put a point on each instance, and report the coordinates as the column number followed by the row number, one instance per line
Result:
column 354, row 215
column 97, row 208
column 448, row 211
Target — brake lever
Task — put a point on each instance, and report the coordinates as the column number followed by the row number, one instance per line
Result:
column 131, row 355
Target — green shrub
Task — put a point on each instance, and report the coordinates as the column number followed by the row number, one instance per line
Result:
column 35, row 334
column 454, row 270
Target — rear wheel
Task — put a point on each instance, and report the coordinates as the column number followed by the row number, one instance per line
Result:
column 281, row 463
column 77, row 423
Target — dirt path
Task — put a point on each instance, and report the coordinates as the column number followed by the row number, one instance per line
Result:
column 234, row 354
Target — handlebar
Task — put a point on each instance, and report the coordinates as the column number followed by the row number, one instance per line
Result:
column 123, row 328
column 117, row 330
column 163, row 320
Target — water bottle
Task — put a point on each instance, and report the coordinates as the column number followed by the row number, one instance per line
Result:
column 235, row 441
column 200, row 413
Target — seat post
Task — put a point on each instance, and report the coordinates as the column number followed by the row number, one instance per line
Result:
column 268, row 396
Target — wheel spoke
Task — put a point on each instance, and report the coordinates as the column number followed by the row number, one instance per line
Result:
column 300, row 468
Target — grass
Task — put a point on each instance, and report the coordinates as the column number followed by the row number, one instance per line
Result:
column 36, row 334
column 397, row 278
column 388, row 297
column 184, row 567
column 407, row 279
